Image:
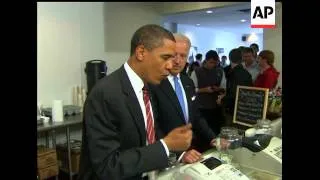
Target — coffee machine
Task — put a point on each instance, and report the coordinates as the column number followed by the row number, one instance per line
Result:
column 95, row 70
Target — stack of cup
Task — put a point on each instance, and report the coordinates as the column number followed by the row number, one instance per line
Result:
column 57, row 111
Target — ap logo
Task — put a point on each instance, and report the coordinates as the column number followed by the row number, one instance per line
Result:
column 263, row 14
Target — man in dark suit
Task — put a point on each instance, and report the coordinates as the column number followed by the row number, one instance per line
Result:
column 175, row 98
column 119, row 138
column 238, row 75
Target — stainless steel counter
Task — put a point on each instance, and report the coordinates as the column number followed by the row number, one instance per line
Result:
column 68, row 121
column 65, row 124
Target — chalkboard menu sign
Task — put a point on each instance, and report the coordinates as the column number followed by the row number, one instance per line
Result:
column 251, row 105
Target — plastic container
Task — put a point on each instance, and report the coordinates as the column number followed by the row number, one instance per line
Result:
column 263, row 126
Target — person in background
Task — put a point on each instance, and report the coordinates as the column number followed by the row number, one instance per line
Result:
column 176, row 104
column 238, row 76
column 185, row 69
column 207, row 80
column 227, row 71
column 249, row 62
column 199, row 58
column 192, row 67
column 241, row 49
column 119, row 139
column 223, row 61
column 255, row 48
column 268, row 76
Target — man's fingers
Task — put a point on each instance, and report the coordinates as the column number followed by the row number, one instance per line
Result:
column 188, row 126
column 190, row 159
column 185, row 127
column 197, row 153
column 187, row 159
column 194, row 155
column 193, row 151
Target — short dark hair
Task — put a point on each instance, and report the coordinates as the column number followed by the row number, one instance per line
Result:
column 150, row 36
column 199, row 56
column 241, row 48
column 255, row 46
column 212, row 54
column 248, row 50
column 235, row 56
column 195, row 63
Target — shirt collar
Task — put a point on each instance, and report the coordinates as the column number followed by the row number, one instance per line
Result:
column 135, row 80
column 253, row 65
column 171, row 76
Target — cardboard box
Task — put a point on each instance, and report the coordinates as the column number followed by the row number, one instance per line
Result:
column 47, row 172
column 62, row 153
column 47, row 162
column 46, row 157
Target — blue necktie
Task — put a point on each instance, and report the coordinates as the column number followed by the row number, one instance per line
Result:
column 179, row 94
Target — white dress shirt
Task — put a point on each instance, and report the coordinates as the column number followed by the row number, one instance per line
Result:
column 253, row 69
column 137, row 85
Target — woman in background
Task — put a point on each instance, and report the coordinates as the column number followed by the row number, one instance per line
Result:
column 268, row 76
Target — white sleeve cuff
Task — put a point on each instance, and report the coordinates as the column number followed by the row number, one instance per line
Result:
column 181, row 156
column 165, row 147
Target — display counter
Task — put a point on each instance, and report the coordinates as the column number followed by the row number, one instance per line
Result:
column 273, row 170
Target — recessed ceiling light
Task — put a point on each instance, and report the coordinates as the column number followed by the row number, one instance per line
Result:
column 243, row 20
column 198, row 24
column 209, row 11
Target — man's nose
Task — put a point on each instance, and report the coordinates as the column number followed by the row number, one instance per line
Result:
column 169, row 64
column 177, row 59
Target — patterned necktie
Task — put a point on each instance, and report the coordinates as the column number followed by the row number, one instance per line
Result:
column 178, row 90
column 150, row 128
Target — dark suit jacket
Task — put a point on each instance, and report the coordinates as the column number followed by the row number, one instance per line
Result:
column 114, row 134
column 170, row 114
column 237, row 76
column 227, row 70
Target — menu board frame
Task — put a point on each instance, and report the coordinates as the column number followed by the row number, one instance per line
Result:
column 265, row 104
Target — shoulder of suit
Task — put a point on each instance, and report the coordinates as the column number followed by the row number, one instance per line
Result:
column 185, row 78
column 109, row 84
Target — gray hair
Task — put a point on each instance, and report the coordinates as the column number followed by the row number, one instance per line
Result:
column 182, row 37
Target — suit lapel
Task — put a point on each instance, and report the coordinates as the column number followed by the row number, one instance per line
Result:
column 133, row 104
column 155, row 115
column 187, row 90
column 169, row 91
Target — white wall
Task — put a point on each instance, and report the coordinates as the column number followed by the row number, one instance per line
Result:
column 209, row 38
column 273, row 40
column 203, row 38
column 69, row 34
column 122, row 19
column 72, row 33
column 178, row 7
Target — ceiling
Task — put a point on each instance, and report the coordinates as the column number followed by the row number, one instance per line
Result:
column 224, row 18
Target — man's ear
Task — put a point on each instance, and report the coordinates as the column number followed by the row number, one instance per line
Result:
column 140, row 51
